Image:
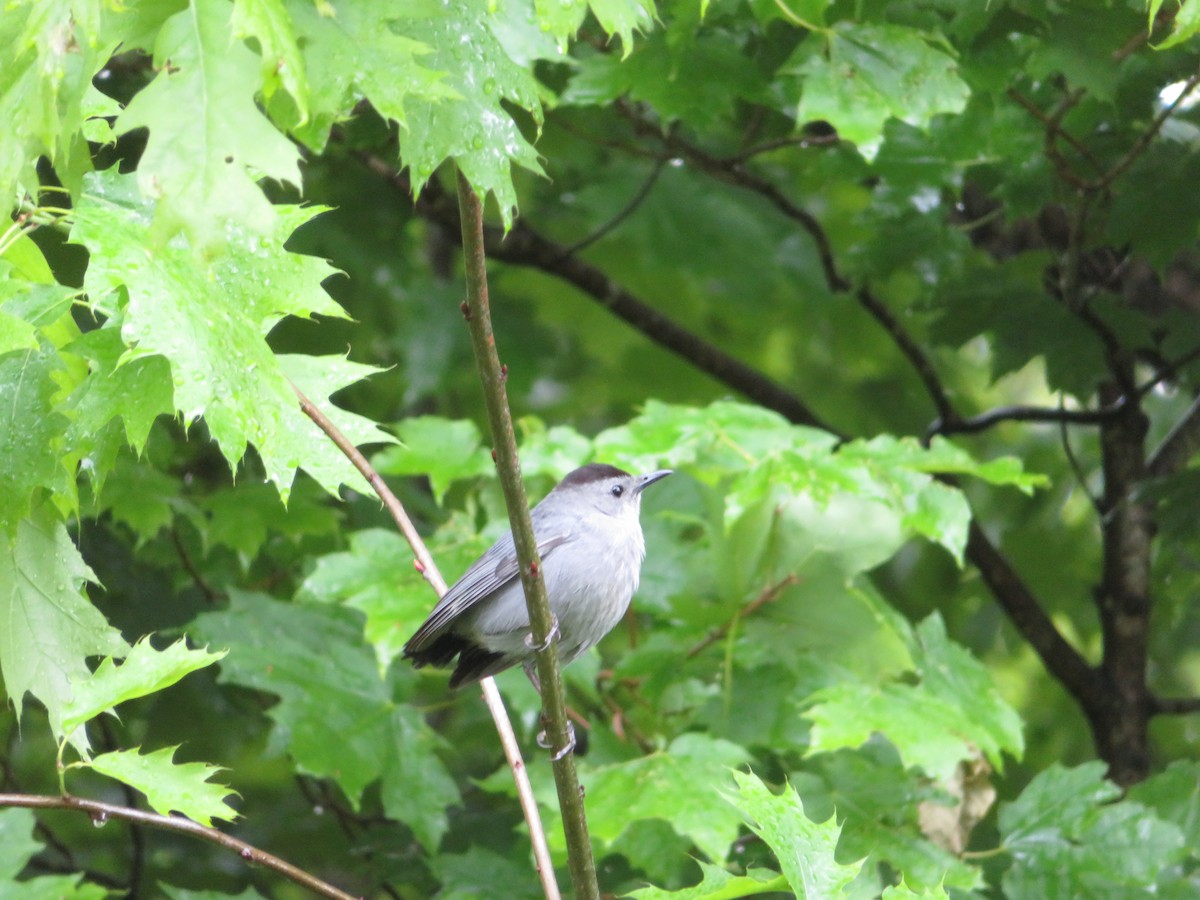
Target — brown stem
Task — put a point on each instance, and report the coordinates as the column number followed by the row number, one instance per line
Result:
column 102, row 812
column 558, row 728
column 768, row 594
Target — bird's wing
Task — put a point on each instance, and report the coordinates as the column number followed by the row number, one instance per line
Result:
column 491, row 572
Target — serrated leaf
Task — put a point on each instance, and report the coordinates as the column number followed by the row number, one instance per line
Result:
column 805, row 849
column 145, row 671
column 678, row 786
column 474, row 129
column 281, row 63
column 1174, row 794
column 170, row 787
column 51, row 52
column 934, row 724
column 31, row 432
column 353, row 50
column 337, row 720
column 209, row 144
column 50, row 626
column 209, row 321
column 445, row 450
column 1069, row 838
column 872, row 72
column 376, row 577
column 720, row 884
column 137, row 390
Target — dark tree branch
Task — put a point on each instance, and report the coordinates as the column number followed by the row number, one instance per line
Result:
column 1143, row 142
column 993, row 417
column 1174, row 706
column 1061, row 659
column 102, row 812
column 526, row 247
column 1064, row 435
column 913, row 352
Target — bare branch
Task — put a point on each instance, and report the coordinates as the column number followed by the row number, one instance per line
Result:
column 628, row 210
column 1174, row 706
column 103, row 812
column 768, row 594
column 1000, row 414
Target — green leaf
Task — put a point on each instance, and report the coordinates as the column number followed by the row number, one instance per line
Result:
column 719, row 884
column 338, row 719
column 678, row 785
column 444, row 450
column 804, row 848
column 145, row 671
column 170, row 787
column 16, row 842
column 1184, row 24
column 31, row 430
column 136, row 389
column 209, row 144
column 936, row 723
column 51, row 627
column 872, row 72
column 1174, row 795
column 622, row 17
column 351, row 51
column 376, row 577
column 281, row 65
column 209, row 322
column 1069, row 838
column 51, row 51
column 474, row 129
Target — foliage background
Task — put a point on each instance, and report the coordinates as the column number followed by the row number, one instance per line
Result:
column 772, row 245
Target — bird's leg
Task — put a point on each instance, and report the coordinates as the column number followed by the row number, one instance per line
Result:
column 531, row 672
column 544, row 743
column 554, row 632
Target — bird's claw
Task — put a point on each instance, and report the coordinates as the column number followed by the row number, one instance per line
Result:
column 544, row 743
column 554, row 632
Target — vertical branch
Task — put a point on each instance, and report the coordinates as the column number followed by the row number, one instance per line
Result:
column 477, row 312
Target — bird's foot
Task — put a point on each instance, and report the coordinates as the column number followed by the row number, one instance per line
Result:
column 544, row 743
column 554, row 632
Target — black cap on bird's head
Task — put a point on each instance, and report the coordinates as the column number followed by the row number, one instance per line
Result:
column 603, row 472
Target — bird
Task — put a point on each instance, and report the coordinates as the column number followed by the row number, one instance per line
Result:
column 589, row 539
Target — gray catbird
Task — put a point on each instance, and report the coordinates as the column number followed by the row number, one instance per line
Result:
column 590, row 542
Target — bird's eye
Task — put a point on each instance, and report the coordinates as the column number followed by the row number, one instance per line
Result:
column 617, row 490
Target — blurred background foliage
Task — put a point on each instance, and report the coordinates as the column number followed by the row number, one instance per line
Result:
column 897, row 217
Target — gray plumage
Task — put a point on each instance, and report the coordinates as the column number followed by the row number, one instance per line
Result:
column 589, row 538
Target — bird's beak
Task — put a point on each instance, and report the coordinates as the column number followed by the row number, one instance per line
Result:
column 644, row 481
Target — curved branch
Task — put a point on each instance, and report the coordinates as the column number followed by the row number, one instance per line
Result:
column 102, row 812
column 1000, row 414
column 628, row 210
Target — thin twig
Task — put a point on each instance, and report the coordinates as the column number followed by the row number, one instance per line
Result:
column 1036, row 111
column 477, row 311
column 103, row 812
column 423, row 560
column 913, row 352
column 1177, row 447
column 768, row 594
column 1143, row 142
column 628, row 210
column 1018, row 413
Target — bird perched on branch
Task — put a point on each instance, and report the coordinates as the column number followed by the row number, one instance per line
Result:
column 589, row 538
